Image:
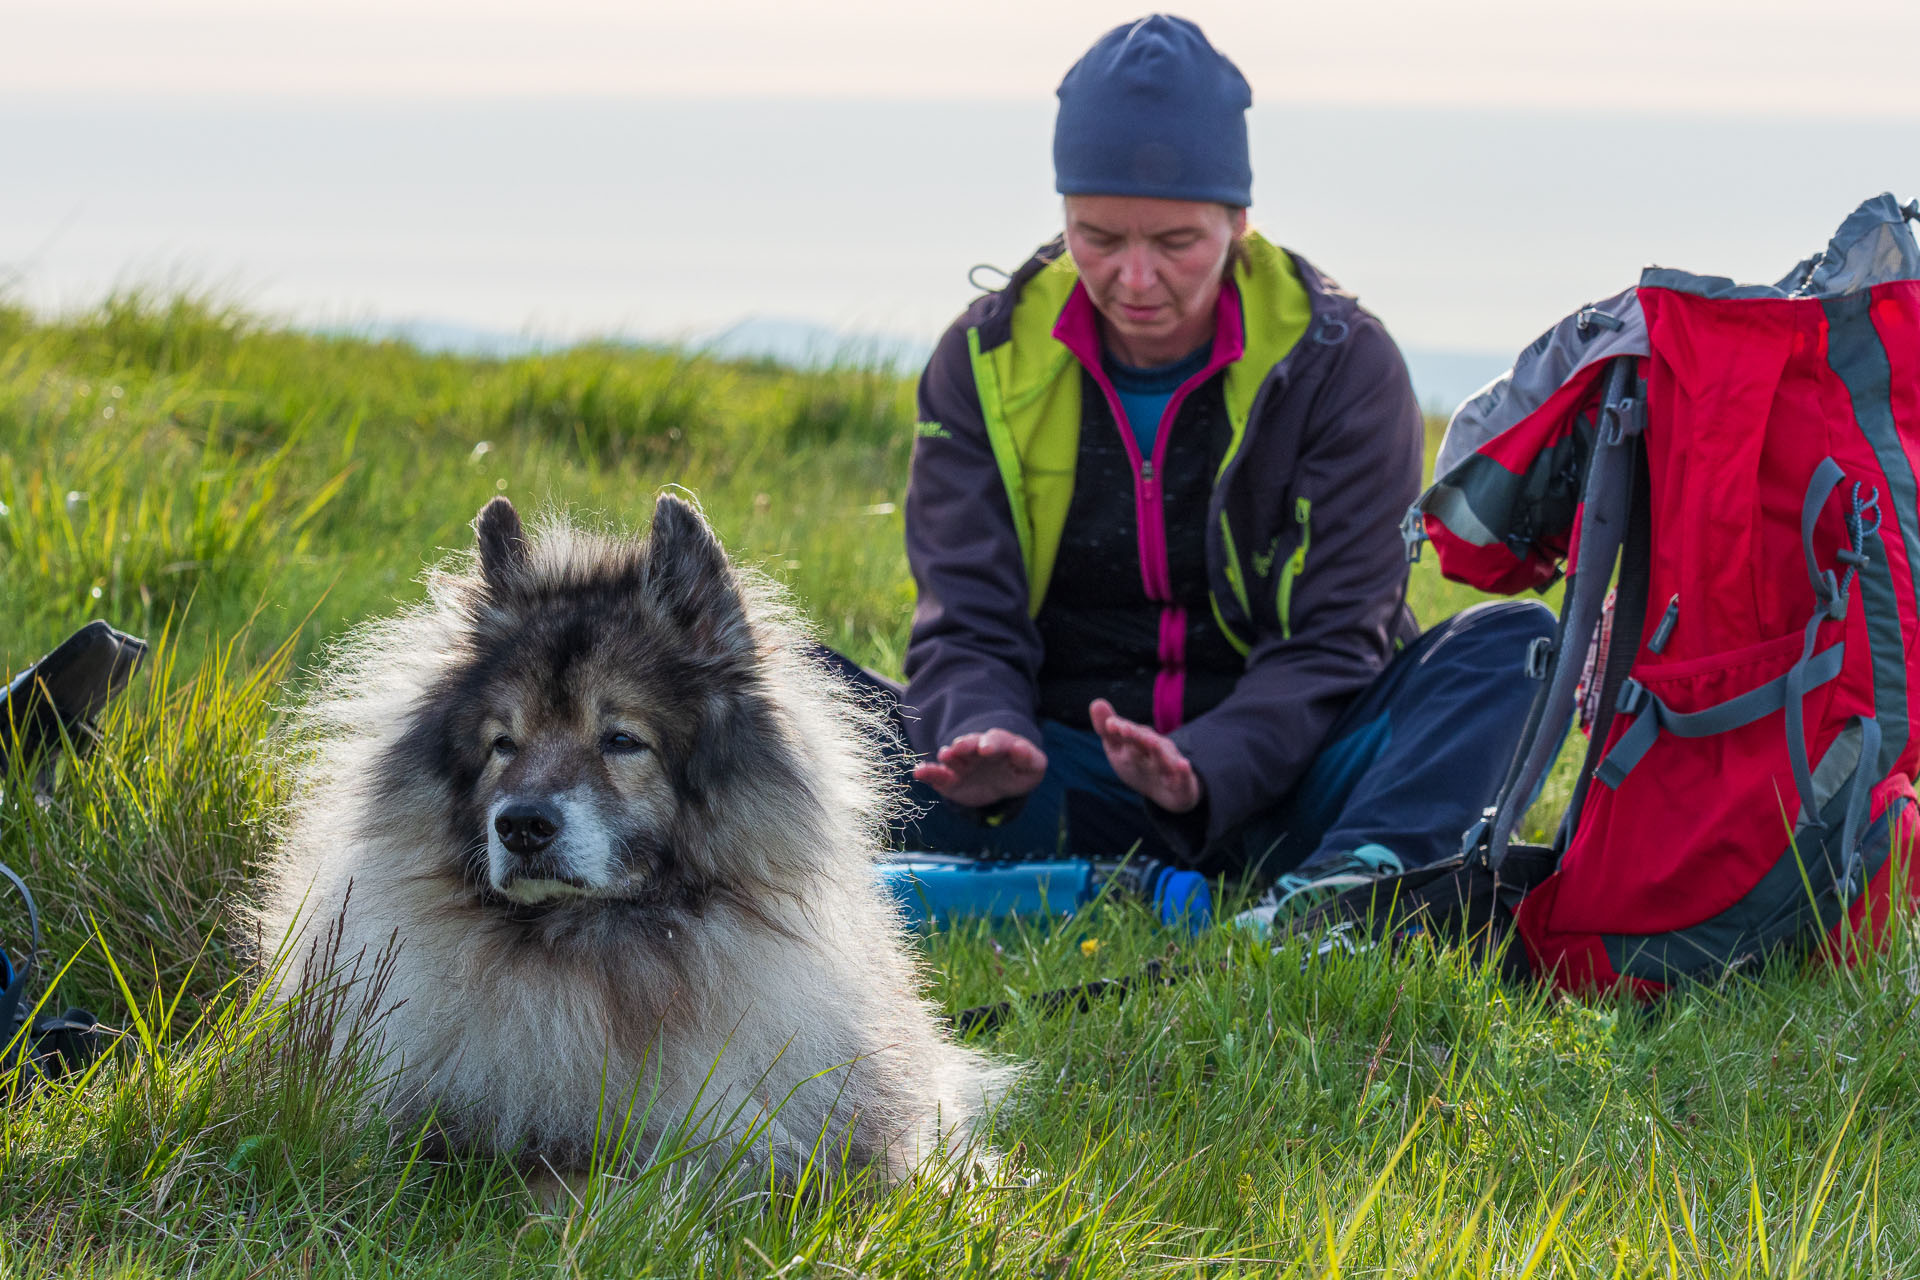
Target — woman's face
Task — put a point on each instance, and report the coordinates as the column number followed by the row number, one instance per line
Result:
column 1153, row 269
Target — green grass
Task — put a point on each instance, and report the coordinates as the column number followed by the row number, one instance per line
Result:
column 245, row 492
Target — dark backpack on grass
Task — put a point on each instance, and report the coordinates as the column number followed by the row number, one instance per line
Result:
column 45, row 708
column 1745, row 456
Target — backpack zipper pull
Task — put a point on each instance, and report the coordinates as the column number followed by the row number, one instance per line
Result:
column 1146, row 470
column 1664, row 632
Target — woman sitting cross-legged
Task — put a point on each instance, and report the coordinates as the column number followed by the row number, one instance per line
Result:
column 1153, row 518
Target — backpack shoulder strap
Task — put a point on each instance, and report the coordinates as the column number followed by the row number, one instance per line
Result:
column 1629, row 622
column 1606, row 503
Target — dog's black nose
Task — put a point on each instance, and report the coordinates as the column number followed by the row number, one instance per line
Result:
column 527, row 827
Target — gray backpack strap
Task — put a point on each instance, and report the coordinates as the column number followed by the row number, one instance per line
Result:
column 1606, row 506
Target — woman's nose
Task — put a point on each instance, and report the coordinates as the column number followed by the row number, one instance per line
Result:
column 1136, row 269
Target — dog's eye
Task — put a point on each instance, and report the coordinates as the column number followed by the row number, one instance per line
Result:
column 621, row 742
column 504, row 746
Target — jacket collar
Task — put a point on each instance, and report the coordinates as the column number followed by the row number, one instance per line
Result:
column 1078, row 328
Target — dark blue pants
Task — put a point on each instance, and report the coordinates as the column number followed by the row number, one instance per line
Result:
column 1410, row 765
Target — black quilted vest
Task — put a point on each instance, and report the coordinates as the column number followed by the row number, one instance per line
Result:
column 1099, row 632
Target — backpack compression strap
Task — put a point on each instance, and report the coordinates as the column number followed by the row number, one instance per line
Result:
column 1606, row 503
column 1653, row 717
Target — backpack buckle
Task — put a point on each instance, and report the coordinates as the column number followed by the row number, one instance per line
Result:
column 1833, row 597
column 1633, row 695
column 1413, row 532
column 1622, row 419
column 1478, row 838
column 1539, row 657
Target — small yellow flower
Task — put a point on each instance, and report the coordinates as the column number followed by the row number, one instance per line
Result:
column 1089, row 946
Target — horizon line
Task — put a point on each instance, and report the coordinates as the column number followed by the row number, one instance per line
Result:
column 374, row 100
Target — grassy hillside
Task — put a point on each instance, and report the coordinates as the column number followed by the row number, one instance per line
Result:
column 169, row 460
column 246, row 492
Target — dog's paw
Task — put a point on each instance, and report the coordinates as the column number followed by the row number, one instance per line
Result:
column 557, row 1194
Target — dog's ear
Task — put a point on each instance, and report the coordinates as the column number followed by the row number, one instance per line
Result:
column 687, row 572
column 504, row 553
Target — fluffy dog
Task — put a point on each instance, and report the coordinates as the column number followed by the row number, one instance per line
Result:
column 616, row 829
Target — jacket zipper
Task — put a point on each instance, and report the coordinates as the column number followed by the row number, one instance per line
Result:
column 1158, row 577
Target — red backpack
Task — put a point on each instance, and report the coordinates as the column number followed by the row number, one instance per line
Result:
column 1747, row 455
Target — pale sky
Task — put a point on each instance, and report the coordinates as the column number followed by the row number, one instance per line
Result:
column 663, row 170
column 1786, row 57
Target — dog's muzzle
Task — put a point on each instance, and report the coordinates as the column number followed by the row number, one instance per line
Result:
column 526, row 828
column 549, row 846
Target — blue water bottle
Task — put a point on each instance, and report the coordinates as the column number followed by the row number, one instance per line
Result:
column 1176, row 896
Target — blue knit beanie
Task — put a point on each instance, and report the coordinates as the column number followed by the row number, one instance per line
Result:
column 1154, row 110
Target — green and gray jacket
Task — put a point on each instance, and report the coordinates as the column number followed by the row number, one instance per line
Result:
column 1266, row 584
